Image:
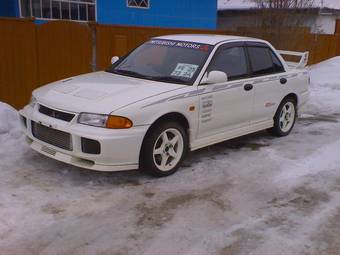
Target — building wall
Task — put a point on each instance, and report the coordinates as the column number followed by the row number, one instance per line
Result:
column 9, row 8
column 233, row 21
column 322, row 24
column 325, row 24
column 162, row 13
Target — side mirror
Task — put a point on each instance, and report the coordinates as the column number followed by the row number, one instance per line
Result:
column 114, row 59
column 214, row 77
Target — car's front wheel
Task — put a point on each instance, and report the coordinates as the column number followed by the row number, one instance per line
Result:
column 164, row 149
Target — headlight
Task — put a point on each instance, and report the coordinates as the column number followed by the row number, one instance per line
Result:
column 105, row 121
column 33, row 101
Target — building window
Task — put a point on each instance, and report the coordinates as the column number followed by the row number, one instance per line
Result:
column 138, row 3
column 81, row 10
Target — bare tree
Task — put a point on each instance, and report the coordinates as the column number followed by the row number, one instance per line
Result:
column 282, row 20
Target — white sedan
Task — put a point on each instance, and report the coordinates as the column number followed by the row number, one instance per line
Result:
column 170, row 95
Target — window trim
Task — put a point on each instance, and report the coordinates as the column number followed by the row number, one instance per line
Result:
column 138, row 7
column 59, row 1
column 262, row 45
column 20, row 11
column 229, row 45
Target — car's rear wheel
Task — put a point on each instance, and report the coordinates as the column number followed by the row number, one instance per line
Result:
column 164, row 149
column 284, row 118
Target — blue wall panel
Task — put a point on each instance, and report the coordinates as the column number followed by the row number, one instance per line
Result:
column 9, row 8
column 163, row 13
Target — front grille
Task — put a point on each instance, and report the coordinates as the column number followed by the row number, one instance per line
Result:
column 52, row 136
column 65, row 116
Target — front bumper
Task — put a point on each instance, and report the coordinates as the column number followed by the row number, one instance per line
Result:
column 119, row 149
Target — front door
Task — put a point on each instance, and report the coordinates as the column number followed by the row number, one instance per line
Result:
column 227, row 106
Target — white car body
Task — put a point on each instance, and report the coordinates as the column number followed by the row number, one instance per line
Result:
column 214, row 112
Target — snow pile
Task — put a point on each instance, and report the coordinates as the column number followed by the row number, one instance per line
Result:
column 326, row 74
column 325, row 87
column 9, row 119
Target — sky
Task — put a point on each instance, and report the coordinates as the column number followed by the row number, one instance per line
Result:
column 226, row 4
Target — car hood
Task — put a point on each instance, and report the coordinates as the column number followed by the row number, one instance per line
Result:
column 99, row 92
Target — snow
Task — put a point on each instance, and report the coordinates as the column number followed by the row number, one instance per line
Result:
column 246, row 4
column 326, row 77
column 253, row 195
column 235, row 4
column 8, row 118
column 333, row 4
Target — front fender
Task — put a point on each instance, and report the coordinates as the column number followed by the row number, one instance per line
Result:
column 148, row 112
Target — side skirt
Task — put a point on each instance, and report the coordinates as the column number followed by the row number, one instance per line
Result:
column 206, row 141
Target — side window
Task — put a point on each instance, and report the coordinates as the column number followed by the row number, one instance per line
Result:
column 260, row 60
column 263, row 61
column 232, row 61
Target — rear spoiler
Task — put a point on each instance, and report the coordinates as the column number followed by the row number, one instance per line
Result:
column 297, row 65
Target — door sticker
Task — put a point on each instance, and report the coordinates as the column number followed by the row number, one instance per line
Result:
column 207, row 103
column 184, row 70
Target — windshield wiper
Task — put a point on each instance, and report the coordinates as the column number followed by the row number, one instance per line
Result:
column 168, row 79
column 130, row 73
column 154, row 78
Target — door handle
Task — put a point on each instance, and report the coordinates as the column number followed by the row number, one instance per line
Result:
column 283, row 80
column 248, row 87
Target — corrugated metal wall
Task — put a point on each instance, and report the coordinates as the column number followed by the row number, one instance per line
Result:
column 32, row 55
column 18, row 61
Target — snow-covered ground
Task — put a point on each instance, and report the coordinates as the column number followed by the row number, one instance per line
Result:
column 253, row 195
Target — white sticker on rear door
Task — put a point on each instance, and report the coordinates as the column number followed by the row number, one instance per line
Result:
column 184, row 70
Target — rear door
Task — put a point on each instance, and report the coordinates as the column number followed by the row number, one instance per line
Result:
column 268, row 79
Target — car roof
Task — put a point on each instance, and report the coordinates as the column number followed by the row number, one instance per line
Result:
column 203, row 38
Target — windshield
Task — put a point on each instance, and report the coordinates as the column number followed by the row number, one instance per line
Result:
column 164, row 60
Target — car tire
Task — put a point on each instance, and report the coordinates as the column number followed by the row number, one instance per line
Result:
column 164, row 148
column 284, row 118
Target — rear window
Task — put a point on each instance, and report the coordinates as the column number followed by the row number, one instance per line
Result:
column 277, row 63
column 263, row 61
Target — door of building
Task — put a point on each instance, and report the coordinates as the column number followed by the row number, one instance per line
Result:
column 337, row 27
